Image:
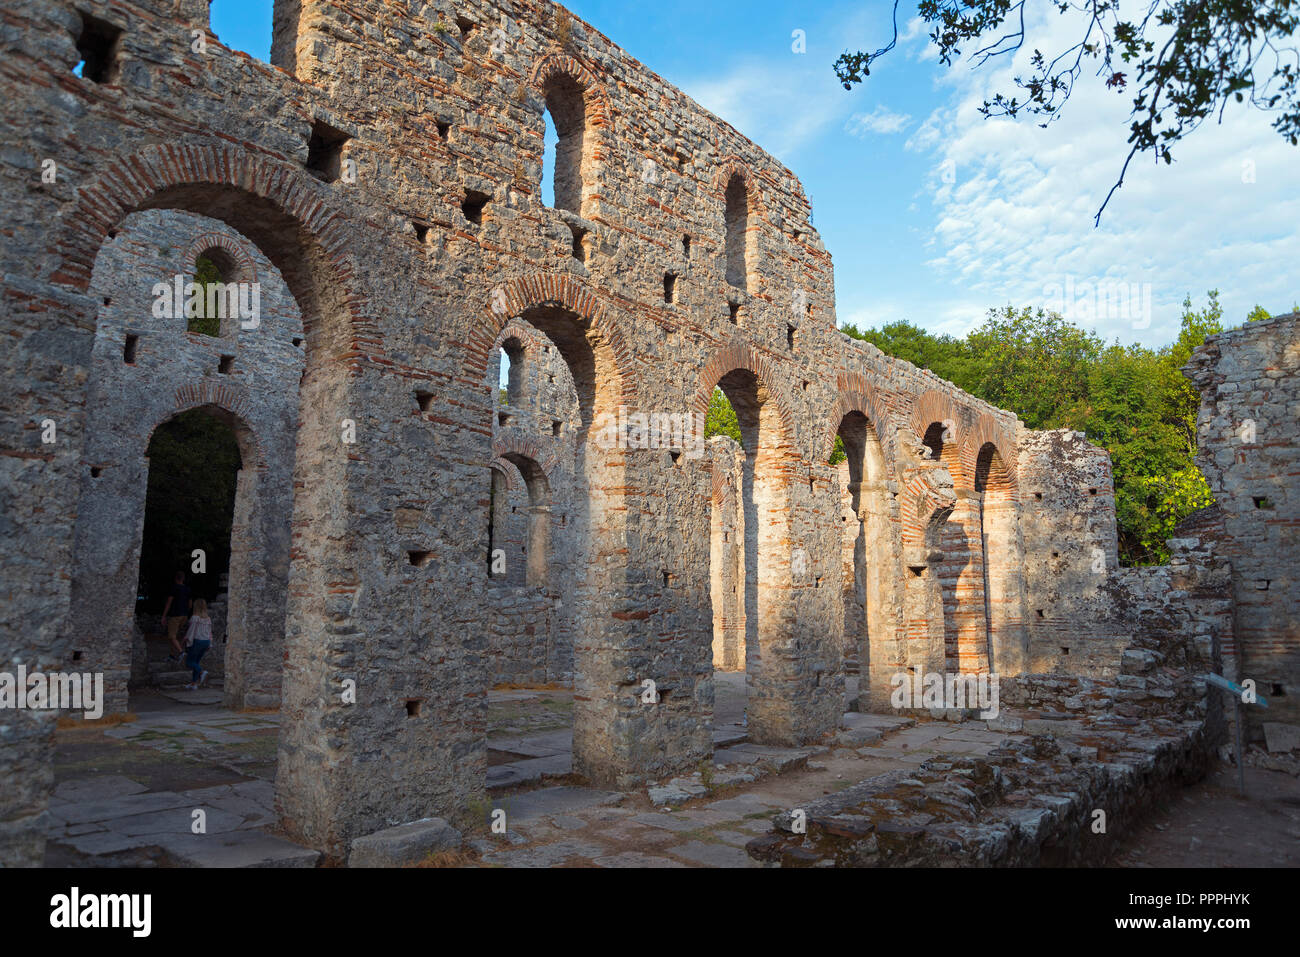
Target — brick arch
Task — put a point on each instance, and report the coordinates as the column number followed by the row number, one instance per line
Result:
column 512, row 441
column 225, row 397
column 934, row 406
column 247, row 269
column 200, row 177
column 597, row 97
column 988, row 431
column 517, row 296
column 735, row 166
column 858, row 395
column 738, row 354
column 507, row 469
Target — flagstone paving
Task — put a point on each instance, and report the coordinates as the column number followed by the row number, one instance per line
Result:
column 127, row 794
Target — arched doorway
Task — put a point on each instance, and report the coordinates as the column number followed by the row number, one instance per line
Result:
column 869, row 557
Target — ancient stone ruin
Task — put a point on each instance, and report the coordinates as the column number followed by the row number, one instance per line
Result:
column 408, row 535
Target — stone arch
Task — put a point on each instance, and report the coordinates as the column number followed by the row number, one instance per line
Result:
column 218, row 395
column 282, row 210
column 507, row 470
column 855, row 394
column 517, row 296
column 293, row 220
column 741, row 224
column 935, row 407
column 562, row 64
column 988, row 432
column 511, row 442
column 244, row 269
column 1001, row 557
column 734, row 166
column 870, row 547
column 579, row 107
column 738, row 354
column 772, row 572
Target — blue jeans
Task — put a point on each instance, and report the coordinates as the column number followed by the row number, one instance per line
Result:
column 194, row 655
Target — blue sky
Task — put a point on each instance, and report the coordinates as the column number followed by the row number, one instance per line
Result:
column 934, row 214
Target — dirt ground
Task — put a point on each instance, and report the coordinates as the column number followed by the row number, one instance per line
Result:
column 1211, row 825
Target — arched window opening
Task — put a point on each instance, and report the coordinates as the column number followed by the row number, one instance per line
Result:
column 537, row 550
column 215, row 274
column 566, row 125
column 511, row 382
column 997, row 542
column 934, row 440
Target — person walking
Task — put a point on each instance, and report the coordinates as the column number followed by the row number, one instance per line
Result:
column 176, row 613
column 198, row 639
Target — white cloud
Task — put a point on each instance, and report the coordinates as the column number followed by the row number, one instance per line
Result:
column 881, row 120
column 1014, row 215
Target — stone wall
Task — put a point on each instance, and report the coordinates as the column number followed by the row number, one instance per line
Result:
column 146, row 369
column 388, row 168
column 1247, row 429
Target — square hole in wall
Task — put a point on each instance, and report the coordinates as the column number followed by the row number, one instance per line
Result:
column 670, row 287
column 424, row 400
column 1038, row 496
column 503, row 418
column 1040, row 614
column 1092, row 491
column 667, row 579
column 817, row 582
column 421, row 231
column 1262, row 584
column 1056, row 554
column 129, row 348
column 675, row 455
column 916, row 570
column 413, row 707
column 473, row 206
column 466, row 27
column 226, row 365
column 96, row 471
column 733, row 313
column 686, row 246
column 556, row 427
column 1277, row 691
column 325, row 151
column 297, row 342
column 578, row 248
column 790, row 333
column 444, row 130
column 1262, row 501
column 805, row 385
column 76, row 656
column 1065, row 650
column 419, row 559
column 98, row 43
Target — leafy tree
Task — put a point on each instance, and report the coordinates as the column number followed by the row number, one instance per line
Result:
column 205, row 273
column 1033, row 362
column 721, row 418
column 1183, row 61
column 1131, row 400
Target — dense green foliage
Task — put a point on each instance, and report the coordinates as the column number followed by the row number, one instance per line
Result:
column 205, row 272
column 721, row 419
column 1131, row 400
column 193, row 467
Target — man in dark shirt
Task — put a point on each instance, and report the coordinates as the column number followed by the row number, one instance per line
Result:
column 176, row 613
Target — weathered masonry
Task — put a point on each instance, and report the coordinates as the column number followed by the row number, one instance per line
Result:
column 401, row 527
